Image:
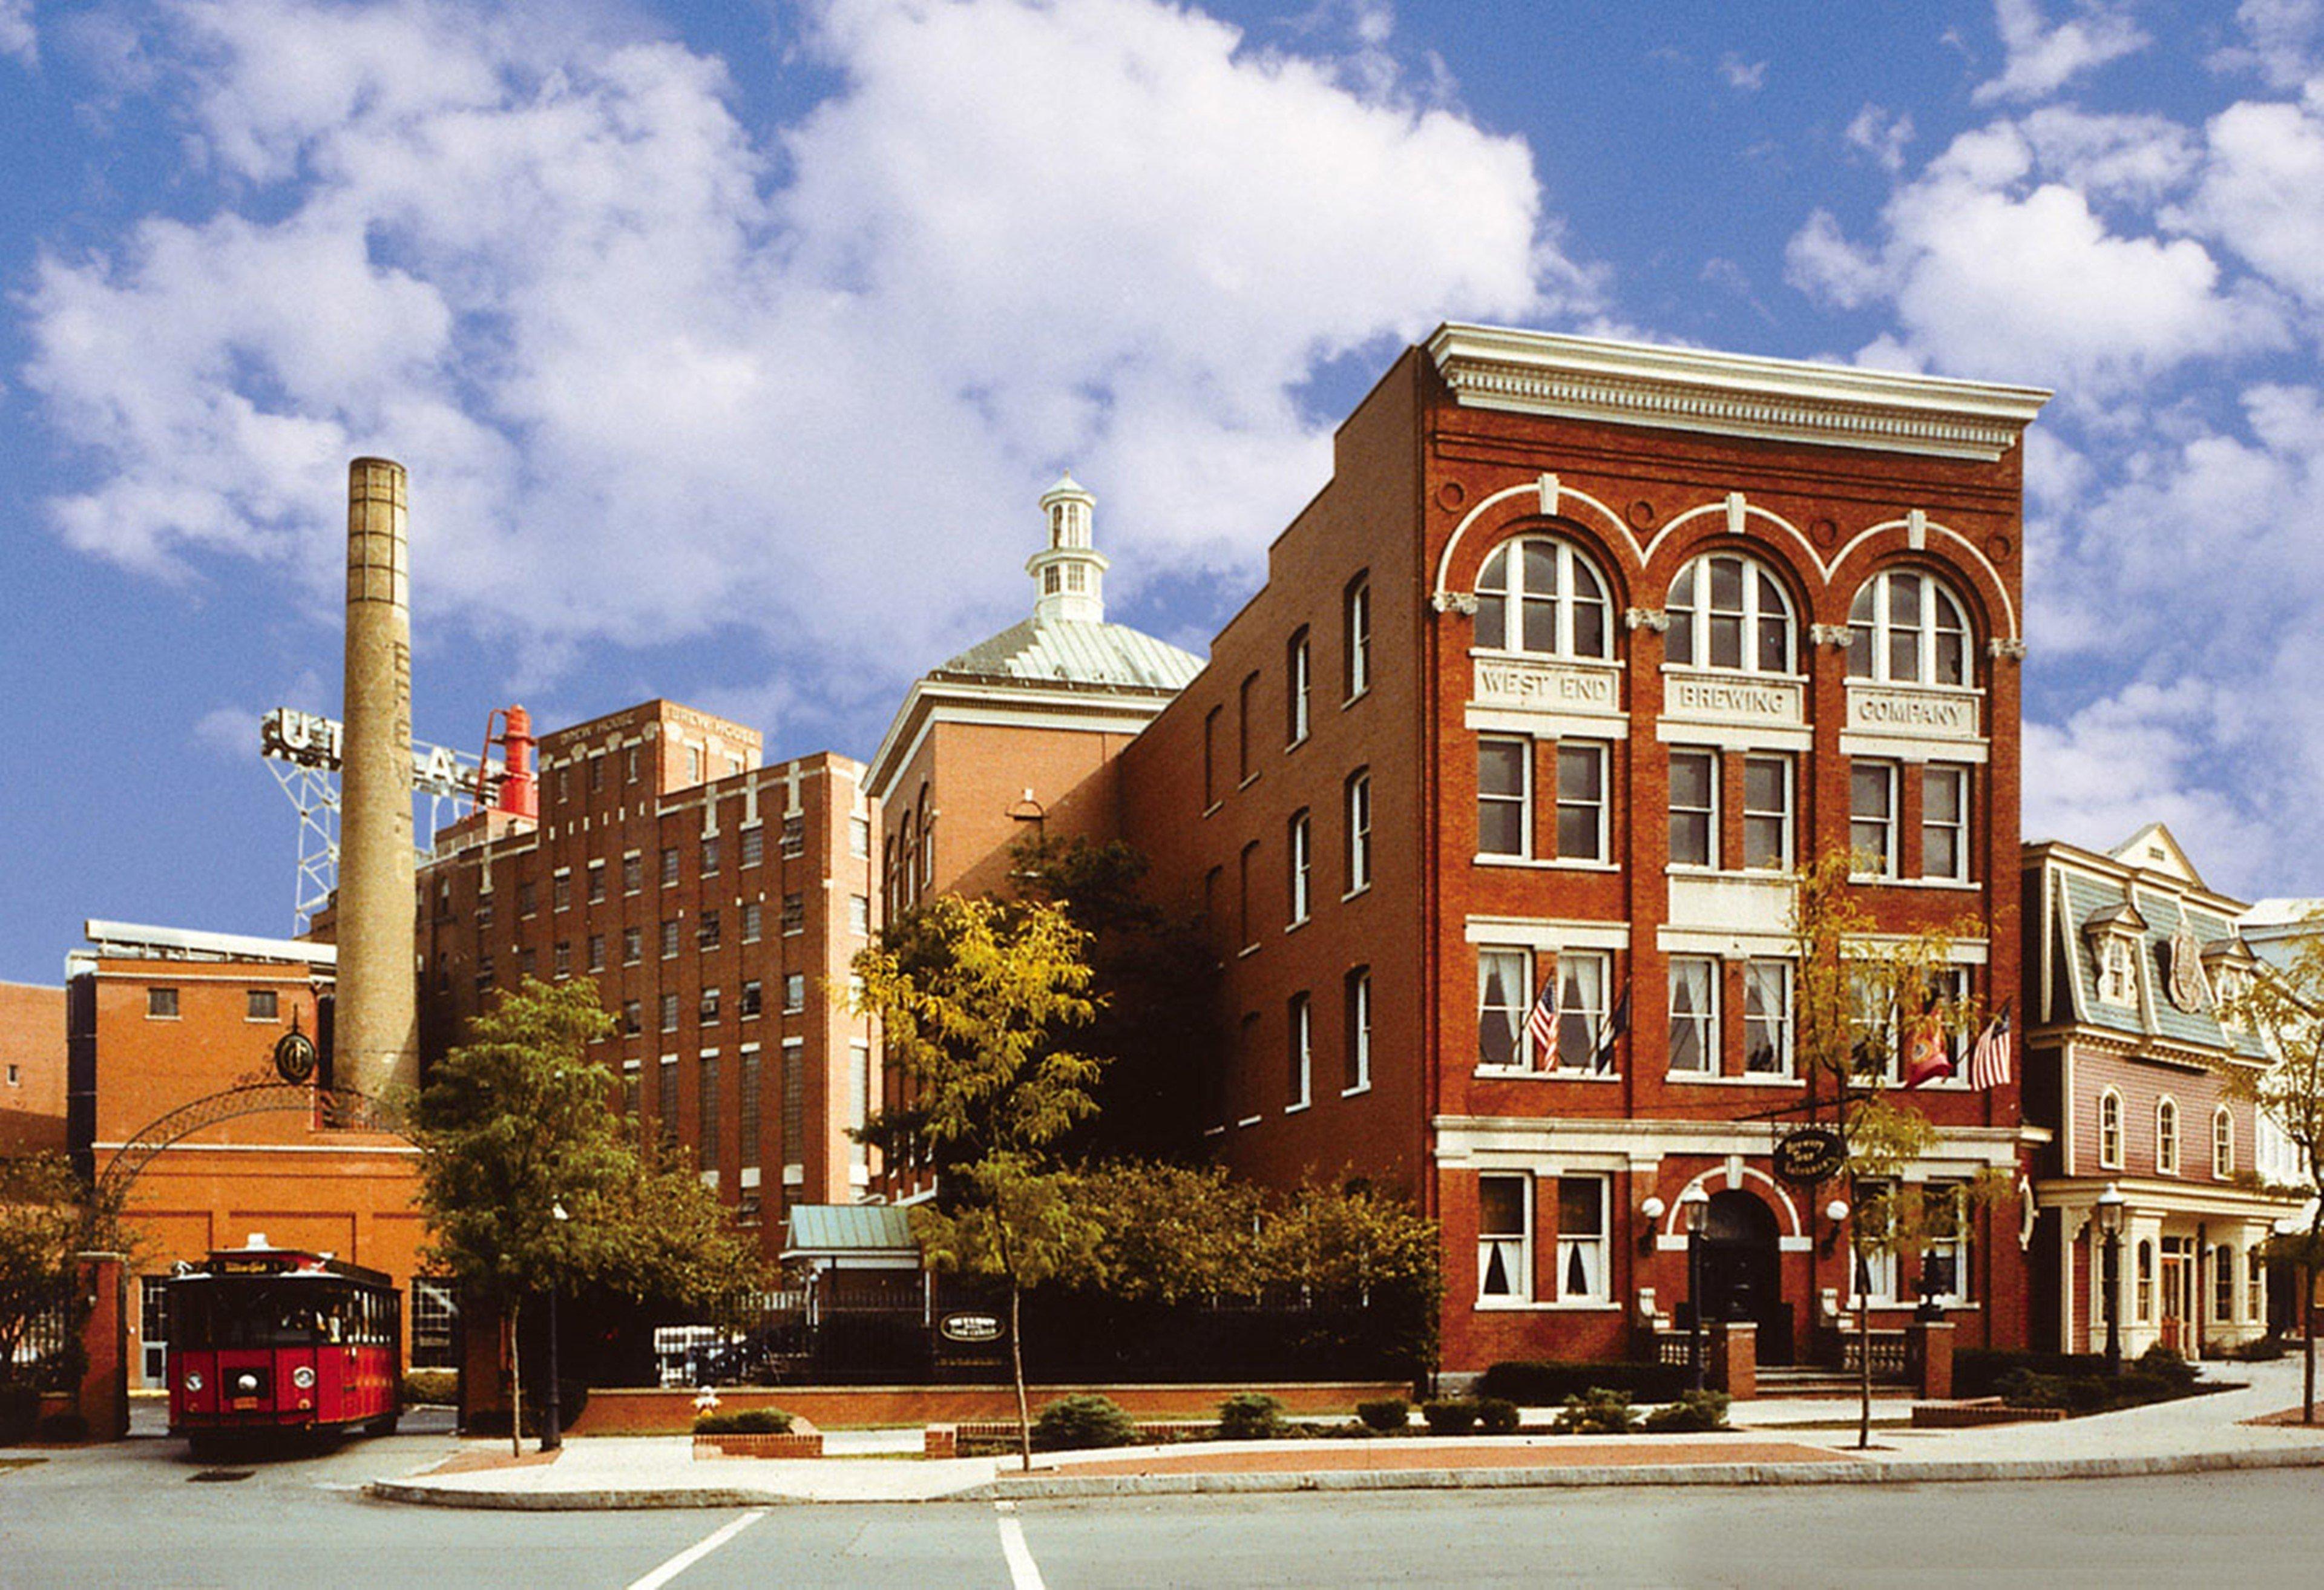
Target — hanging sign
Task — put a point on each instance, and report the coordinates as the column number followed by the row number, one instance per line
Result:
column 1808, row 1155
column 969, row 1328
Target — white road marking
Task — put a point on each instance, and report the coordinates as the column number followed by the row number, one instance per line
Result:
column 1023, row 1573
column 696, row 1552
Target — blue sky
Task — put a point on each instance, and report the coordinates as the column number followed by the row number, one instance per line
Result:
column 729, row 345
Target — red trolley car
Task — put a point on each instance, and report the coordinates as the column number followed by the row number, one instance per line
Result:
column 271, row 1339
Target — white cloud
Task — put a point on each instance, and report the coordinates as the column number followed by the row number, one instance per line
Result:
column 1881, row 136
column 2263, row 173
column 1997, row 263
column 657, row 372
column 2042, row 58
column 2142, row 754
column 1745, row 77
column 2279, row 40
column 19, row 39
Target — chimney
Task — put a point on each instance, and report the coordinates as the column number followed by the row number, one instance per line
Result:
column 377, row 1046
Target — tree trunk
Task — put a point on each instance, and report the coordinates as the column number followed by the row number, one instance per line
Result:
column 1863, row 1366
column 516, row 1381
column 1017, row 1364
column 2307, row 1342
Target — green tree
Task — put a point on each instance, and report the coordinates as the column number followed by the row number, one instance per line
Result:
column 2284, row 1003
column 529, row 1182
column 1154, row 978
column 973, row 999
column 1861, row 995
column 48, row 1214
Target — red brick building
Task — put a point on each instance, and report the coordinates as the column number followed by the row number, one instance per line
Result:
column 164, row 1025
column 31, row 1069
column 1581, row 648
column 717, row 903
column 2127, row 956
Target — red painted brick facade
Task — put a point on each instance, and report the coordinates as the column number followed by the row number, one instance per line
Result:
column 658, row 825
column 31, row 1069
column 1425, row 489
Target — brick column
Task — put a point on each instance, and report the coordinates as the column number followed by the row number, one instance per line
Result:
column 1929, row 1360
column 104, row 1396
column 1734, row 1366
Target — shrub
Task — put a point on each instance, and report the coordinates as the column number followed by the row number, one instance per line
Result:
column 1980, row 1371
column 1601, row 1411
column 1449, row 1416
column 20, row 1413
column 2258, row 1350
column 431, row 1386
column 744, row 1421
column 1533, row 1384
column 1250, row 1416
column 1077, row 1423
column 1387, row 1416
column 1497, row 1416
column 2162, row 1364
column 1693, row 1411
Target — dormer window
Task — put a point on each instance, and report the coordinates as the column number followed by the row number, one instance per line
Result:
column 2117, row 982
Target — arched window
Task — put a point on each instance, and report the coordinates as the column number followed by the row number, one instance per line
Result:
column 1906, row 628
column 1727, row 611
column 2166, row 1137
column 1539, row 594
column 2146, row 1281
column 2110, row 1129
column 2223, row 1143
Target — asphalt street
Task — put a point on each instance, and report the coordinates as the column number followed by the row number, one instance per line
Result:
column 144, row 1513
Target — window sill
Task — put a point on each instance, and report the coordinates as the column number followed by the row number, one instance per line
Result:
column 1359, row 1087
column 1549, row 864
column 1755, row 1079
column 1560, row 1306
column 1357, row 697
column 1297, row 923
column 1212, row 810
column 1363, row 888
column 1247, row 781
column 1294, row 1109
column 1291, row 745
column 1248, row 1121
column 1519, row 1074
column 1246, row 949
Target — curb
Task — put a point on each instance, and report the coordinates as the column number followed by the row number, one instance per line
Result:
column 1865, row 1472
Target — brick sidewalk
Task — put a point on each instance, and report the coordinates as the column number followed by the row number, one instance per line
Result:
column 1582, row 1452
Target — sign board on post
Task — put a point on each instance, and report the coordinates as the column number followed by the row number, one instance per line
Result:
column 1807, row 1155
column 969, row 1328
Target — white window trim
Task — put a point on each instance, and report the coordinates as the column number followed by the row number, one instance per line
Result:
column 1301, row 1039
column 1512, row 605
column 1519, row 1267
column 1525, row 801
column 1789, row 767
column 1710, row 862
column 1604, row 805
column 1959, row 827
column 1697, row 618
column 1707, row 1021
column 1359, row 803
column 1302, row 845
column 2166, row 1103
column 1360, row 1032
column 1787, row 1028
column 1603, row 1243
column 2109, row 1161
column 1892, row 860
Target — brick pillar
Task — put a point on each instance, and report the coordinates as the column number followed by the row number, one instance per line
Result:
column 483, row 1366
column 104, row 1397
column 940, row 1441
column 1734, row 1366
column 1929, row 1360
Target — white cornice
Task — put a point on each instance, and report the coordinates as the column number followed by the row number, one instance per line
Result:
column 1732, row 394
column 1115, row 709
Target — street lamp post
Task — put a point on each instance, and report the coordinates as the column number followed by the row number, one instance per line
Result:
column 2108, row 1211
column 552, row 1423
column 1694, row 1209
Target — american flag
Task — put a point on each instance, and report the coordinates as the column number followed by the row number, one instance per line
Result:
column 1541, row 1022
column 1989, row 1062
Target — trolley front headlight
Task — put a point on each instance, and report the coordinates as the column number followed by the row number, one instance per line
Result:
column 246, row 1384
column 303, row 1378
column 193, row 1380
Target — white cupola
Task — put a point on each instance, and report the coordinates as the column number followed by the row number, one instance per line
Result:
column 1069, row 572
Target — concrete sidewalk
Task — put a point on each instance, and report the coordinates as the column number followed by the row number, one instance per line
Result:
column 1776, row 1442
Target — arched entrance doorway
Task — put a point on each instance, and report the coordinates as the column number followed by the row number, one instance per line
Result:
column 1742, row 1270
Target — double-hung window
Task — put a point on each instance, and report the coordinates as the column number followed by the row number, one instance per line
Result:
column 1694, row 1016
column 1944, row 821
column 2110, row 1131
column 1583, row 1276
column 1504, row 996
column 1505, row 1239
column 1767, row 1018
column 1357, row 1052
column 2223, row 1144
column 1356, row 635
column 1296, row 685
column 1767, row 813
column 1695, row 808
column 1300, row 839
column 794, row 993
column 2166, row 1137
column 1872, row 819
column 1300, row 1051
column 1945, row 1272
column 1359, row 831
column 1582, row 1043
column 1581, row 804
column 1504, row 797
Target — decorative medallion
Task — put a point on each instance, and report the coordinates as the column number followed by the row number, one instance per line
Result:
column 2000, row 546
column 294, row 1054
column 1642, row 514
column 2190, row 989
column 1451, row 496
column 1825, row 531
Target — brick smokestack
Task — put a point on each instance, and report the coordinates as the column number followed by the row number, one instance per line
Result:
column 377, row 1039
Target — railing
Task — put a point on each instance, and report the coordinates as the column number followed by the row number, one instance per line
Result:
column 1887, row 1353
column 1673, row 1348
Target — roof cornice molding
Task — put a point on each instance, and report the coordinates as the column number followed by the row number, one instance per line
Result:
column 1732, row 394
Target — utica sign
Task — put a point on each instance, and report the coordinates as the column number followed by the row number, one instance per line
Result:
column 312, row 740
